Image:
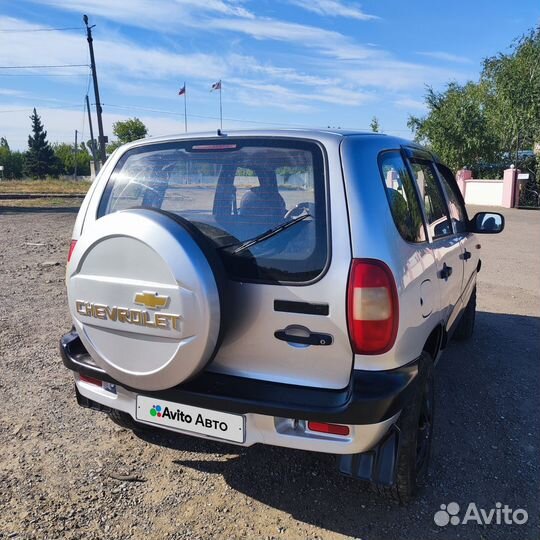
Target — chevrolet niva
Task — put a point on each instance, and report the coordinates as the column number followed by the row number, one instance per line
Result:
column 292, row 288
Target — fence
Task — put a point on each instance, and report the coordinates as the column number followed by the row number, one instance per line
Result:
column 514, row 190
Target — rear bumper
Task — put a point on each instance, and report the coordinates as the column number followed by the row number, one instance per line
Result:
column 372, row 397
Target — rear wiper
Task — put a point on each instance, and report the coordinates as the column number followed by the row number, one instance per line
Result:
column 246, row 244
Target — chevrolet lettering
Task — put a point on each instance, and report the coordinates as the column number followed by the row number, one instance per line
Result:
column 166, row 321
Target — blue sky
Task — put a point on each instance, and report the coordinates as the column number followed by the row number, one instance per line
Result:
column 313, row 63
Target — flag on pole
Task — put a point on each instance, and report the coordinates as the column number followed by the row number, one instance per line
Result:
column 182, row 90
column 216, row 86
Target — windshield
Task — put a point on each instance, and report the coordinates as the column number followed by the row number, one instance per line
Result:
column 234, row 190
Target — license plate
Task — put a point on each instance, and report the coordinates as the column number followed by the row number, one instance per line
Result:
column 191, row 419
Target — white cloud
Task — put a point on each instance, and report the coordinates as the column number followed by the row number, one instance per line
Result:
column 167, row 15
column 409, row 104
column 334, row 8
column 132, row 69
column 287, row 98
column 322, row 68
column 446, row 57
column 359, row 64
column 10, row 92
column 249, row 65
column 394, row 75
column 118, row 58
column 216, row 15
column 328, row 42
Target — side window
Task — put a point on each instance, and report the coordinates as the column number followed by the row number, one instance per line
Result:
column 402, row 197
column 438, row 220
column 458, row 213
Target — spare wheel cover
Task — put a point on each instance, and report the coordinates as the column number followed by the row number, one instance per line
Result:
column 144, row 298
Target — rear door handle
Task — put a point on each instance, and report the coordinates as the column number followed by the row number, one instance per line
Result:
column 466, row 255
column 446, row 272
column 308, row 338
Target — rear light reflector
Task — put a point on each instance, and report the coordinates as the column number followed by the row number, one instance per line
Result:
column 71, row 248
column 373, row 309
column 332, row 429
column 90, row 380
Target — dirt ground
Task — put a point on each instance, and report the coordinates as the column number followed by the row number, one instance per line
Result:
column 59, row 462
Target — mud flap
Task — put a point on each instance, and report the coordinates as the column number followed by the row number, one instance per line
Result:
column 378, row 465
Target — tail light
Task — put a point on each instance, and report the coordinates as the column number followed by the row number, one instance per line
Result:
column 373, row 309
column 71, row 248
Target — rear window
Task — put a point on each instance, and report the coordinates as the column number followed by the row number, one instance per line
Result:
column 401, row 196
column 235, row 191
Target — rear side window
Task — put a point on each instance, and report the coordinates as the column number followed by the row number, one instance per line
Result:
column 401, row 196
column 456, row 208
column 233, row 191
column 437, row 218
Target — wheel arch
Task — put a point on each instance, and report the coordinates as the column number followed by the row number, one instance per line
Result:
column 434, row 342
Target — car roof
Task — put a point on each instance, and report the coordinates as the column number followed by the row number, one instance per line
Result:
column 290, row 132
column 322, row 135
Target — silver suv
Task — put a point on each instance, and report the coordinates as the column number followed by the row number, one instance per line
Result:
column 292, row 288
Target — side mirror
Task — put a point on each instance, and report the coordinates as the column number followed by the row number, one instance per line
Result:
column 487, row 223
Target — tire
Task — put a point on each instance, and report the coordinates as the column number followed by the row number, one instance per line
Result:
column 122, row 419
column 160, row 287
column 465, row 328
column 416, row 433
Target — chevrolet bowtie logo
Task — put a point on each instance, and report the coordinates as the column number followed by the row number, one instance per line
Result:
column 151, row 300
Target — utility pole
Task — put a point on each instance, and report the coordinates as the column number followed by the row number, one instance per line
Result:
column 99, row 110
column 92, row 141
column 75, row 157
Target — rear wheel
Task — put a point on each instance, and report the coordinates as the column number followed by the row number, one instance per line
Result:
column 465, row 328
column 416, row 432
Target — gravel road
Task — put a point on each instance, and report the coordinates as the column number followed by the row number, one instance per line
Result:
column 62, row 466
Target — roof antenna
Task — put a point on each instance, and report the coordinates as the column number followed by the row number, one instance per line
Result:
column 220, row 133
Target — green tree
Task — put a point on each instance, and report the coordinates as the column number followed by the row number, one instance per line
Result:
column 457, row 126
column 12, row 161
column 40, row 159
column 374, row 125
column 480, row 123
column 513, row 80
column 127, row 131
column 65, row 156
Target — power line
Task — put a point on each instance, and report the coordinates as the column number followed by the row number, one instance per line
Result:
column 43, row 75
column 44, row 67
column 24, row 30
column 13, row 110
column 54, row 103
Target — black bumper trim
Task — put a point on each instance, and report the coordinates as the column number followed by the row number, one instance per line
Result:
column 371, row 396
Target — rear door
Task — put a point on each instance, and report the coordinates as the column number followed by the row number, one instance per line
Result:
column 444, row 241
column 285, row 312
column 295, row 295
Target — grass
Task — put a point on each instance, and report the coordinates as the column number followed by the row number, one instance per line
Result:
column 49, row 202
column 44, row 186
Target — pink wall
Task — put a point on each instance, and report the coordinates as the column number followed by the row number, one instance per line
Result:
column 503, row 192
